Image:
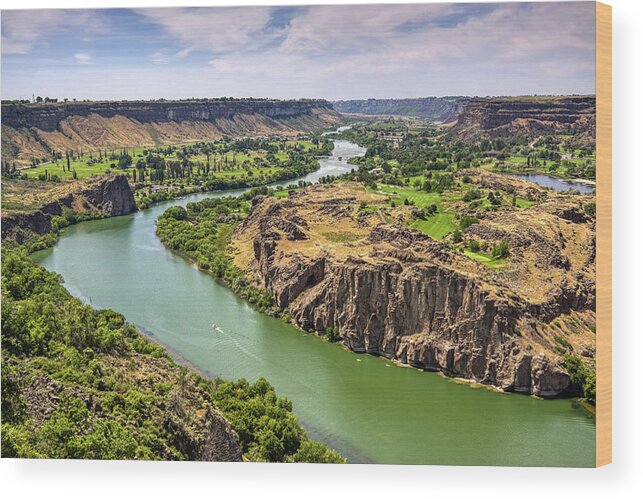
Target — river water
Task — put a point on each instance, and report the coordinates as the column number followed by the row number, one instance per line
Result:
column 557, row 184
column 366, row 407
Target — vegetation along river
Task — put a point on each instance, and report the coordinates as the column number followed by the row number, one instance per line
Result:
column 365, row 407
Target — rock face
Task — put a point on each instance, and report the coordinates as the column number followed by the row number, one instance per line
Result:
column 48, row 117
column 110, row 195
column 400, row 294
column 35, row 130
column 526, row 116
column 443, row 109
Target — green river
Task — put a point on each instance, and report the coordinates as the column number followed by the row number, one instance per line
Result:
column 366, row 407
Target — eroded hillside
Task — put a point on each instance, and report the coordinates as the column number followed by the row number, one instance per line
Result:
column 33, row 131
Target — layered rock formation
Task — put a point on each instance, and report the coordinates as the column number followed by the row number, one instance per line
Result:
column 34, row 130
column 109, row 195
column 392, row 291
column 527, row 116
column 442, row 109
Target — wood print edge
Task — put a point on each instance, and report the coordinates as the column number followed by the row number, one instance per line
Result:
column 603, row 234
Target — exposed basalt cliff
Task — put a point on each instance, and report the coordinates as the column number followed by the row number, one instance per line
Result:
column 397, row 293
column 443, row 109
column 110, row 196
column 34, row 130
column 527, row 116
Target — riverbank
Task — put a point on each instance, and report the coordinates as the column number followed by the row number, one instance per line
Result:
column 540, row 171
column 418, row 418
column 110, row 341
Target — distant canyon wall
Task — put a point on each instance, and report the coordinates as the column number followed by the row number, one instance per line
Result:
column 442, row 109
column 33, row 131
column 506, row 117
column 492, row 117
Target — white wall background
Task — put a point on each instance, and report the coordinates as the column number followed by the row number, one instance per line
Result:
column 53, row 479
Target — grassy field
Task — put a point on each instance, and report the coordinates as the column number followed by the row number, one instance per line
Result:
column 485, row 259
column 419, row 198
column 83, row 169
column 60, row 169
column 524, row 203
column 437, row 226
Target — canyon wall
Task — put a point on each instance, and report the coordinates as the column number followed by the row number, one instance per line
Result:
column 109, row 196
column 506, row 117
column 47, row 117
column 33, row 131
column 402, row 295
column 442, row 109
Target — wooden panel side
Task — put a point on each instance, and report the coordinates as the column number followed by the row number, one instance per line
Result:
column 603, row 234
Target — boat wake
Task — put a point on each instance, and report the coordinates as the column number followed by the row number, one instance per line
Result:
column 235, row 342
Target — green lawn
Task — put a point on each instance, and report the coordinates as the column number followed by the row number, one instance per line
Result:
column 307, row 145
column 437, row 226
column 485, row 259
column 420, row 198
column 60, row 169
column 524, row 203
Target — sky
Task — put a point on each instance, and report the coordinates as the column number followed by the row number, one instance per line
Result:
column 333, row 52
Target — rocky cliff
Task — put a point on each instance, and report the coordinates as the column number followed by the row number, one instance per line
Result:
column 110, row 196
column 442, row 109
column 527, row 116
column 34, row 130
column 392, row 291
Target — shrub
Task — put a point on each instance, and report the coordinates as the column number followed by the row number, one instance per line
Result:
column 501, row 250
column 332, row 334
column 471, row 195
column 467, row 221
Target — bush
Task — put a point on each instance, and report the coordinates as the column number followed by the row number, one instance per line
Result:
column 582, row 377
column 471, row 195
column 467, row 221
column 501, row 250
column 176, row 212
column 332, row 334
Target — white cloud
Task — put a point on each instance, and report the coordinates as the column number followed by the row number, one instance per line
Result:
column 185, row 52
column 338, row 51
column 160, row 58
column 83, row 58
column 380, row 48
column 22, row 30
column 218, row 30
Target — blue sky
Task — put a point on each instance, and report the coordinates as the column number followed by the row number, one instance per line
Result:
column 334, row 52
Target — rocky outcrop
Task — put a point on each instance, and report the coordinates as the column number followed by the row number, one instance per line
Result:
column 33, row 131
column 202, row 435
column 20, row 226
column 400, row 294
column 110, row 196
column 526, row 116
